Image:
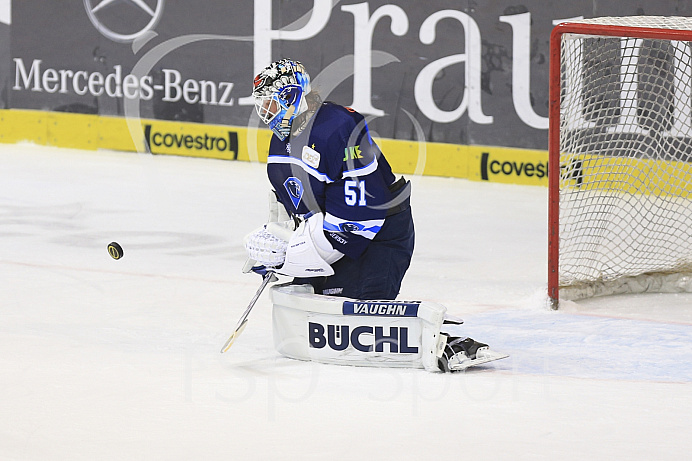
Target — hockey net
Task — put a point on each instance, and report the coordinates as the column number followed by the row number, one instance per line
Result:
column 620, row 212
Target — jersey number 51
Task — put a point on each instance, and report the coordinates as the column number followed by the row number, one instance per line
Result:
column 354, row 193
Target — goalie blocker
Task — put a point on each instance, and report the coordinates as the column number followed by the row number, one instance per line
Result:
column 343, row 331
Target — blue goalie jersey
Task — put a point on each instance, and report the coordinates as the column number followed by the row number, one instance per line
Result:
column 333, row 166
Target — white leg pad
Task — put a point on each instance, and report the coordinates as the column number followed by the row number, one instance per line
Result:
column 345, row 331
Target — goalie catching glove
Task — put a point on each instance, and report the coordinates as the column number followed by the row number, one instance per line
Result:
column 302, row 251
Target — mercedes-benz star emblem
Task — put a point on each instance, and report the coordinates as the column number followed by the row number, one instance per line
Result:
column 124, row 20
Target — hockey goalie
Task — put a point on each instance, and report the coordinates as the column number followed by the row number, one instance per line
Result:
column 340, row 224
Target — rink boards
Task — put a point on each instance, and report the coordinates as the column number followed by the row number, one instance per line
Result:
column 92, row 132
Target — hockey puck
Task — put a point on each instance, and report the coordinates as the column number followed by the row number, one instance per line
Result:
column 115, row 250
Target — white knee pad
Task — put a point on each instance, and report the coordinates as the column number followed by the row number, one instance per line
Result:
column 345, row 331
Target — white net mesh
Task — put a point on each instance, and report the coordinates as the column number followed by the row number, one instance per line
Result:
column 626, row 155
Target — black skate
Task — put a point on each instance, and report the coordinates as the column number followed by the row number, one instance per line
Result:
column 461, row 353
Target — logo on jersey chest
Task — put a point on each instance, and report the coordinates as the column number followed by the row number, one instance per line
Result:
column 352, row 153
column 295, row 190
column 310, row 156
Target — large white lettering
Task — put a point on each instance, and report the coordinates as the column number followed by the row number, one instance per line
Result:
column 628, row 121
column 117, row 85
column 423, row 87
column 572, row 55
column 21, row 74
column 521, row 70
column 364, row 26
column 36, row 76
column 682, row 90
column 264, row 34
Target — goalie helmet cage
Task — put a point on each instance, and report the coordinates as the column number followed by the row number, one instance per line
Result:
column 620, row 157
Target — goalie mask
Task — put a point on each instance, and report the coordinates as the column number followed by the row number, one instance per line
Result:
column 279, row 93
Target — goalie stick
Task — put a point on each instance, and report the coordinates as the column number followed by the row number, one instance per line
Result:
column 240, row 326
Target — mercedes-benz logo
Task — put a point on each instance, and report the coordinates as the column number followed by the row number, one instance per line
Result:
column 124, row 20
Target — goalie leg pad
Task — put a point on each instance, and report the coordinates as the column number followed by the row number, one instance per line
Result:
column 345, row 331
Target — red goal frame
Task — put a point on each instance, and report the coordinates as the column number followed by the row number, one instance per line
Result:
column 554, row 124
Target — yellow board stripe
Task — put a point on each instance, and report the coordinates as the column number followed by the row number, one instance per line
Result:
column 80, row 131
column 629, row 175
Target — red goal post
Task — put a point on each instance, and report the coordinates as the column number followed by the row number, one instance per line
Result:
column 620, row 157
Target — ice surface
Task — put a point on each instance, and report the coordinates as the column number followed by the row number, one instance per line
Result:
column 103, row 359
